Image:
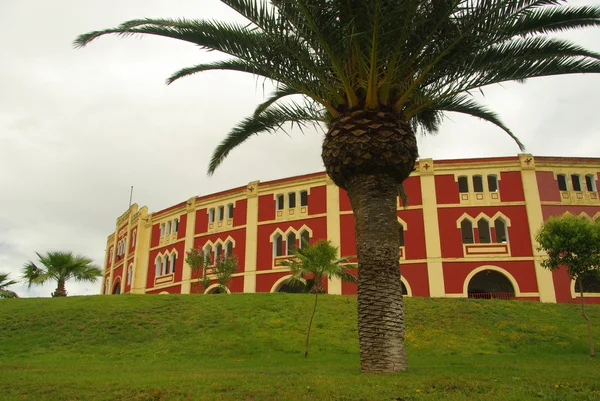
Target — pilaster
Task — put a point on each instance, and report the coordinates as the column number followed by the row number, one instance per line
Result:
column 189, row 244
column 435, row 272
column 535, row 220
column 142, row 252
column 334, row 286
column 251, row 237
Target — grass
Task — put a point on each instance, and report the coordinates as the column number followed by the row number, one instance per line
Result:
column 250, row 347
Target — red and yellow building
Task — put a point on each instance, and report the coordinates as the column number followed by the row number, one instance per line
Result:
column 468, row 230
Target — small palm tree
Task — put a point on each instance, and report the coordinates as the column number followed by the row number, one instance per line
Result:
column 5, row 282
column 375, row 73
column 60, row 267
column 317, row 261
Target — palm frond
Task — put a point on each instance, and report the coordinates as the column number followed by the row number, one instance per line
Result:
column 270, row 120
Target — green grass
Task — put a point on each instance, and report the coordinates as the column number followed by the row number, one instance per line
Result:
column 251, row 346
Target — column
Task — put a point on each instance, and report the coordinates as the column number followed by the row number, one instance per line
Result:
column 251, row 237
column 190, row 227
column 334, row 286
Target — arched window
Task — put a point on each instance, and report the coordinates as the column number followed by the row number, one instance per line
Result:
column 165, row 266
column 292, row 200
column 591, row 283
column 463, row 184
column 477, row 183
column 466, row 229
column 590, row 183
column 279, row 202
column 176, row 225
column 277, row 245
column 562, row 182
column 129, row 273
column 501, row 231
column 173, row 260
column 291, row 243
column 304, row 238
column 218, row 251
column 229, row 248
column 492, row 181
column 162, row 229
column 208, row 254
column 483, row 229
column 576, row 180
column 158, row 266
column 168, row 228
column 133, row 237
column 303, row 198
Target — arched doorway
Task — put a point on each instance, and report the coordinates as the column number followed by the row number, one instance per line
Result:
column 292, row 287
column 216, row 290
column 404, row 290
column 490, row 284
column 117, row 288
column 591, row 283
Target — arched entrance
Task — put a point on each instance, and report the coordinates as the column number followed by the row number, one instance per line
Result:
column 117, row 288
column 404, row 290
column 292, row 287
column 216, row 290
column 490, row 284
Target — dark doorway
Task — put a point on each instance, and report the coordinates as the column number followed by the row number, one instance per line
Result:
column 490, row 284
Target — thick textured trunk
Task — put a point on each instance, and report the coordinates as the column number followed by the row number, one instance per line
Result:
column 380, row 309
column 61, row 291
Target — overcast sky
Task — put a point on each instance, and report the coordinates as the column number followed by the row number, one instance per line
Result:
column 78, row 128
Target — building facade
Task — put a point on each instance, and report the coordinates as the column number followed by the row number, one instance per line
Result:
column 468, row 231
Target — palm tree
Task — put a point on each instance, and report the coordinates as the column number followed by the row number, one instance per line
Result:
column 60, row 267
column 376, row 73
column 318, row 260
column 5, row 282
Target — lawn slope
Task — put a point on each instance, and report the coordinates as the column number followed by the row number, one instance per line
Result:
column 250, row 347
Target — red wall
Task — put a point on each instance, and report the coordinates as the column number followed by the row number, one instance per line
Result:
column 455, row 274
column 181, row 230
column 264, row 261
column 547, row 186
column 174, row 289
column 510, row 187
column 345, row 204
column 180, row 247
column 412, row 186
column 451, row 237
column 201, row 221
column 446, row 189
column 266, row 208
column 239, row 213
column 317, row 200
column 550, row 210
column 155, row 235
column 238, row 235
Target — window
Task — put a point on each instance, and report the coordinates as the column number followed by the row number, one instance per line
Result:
column 576, row 180
column 492, row 181
column 278, row 245
column 562, row 182
column 304, row 239
column 110, row 255
column 401, row 235
column 158, row 266
column 211, row 215
column 590, row 183
column 221, row 213
column 292, row 200
column 466, row 229
column 229, row 248
column 162, row 229
column 172, row 264
column 483, row 229
column 230, row 211
column 176, row 225
column 500, row 228
column 165, row 267
column 591, row 283
column 133, row 236
column 291, row 243
column 463, row 184
column 129, row 273
column 477, row 183
column 208, row 254
column 303, row 198
column 218, row 251
column 279, row 202
column 168, row 228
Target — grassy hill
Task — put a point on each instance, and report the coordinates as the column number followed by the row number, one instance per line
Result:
column 250, row 347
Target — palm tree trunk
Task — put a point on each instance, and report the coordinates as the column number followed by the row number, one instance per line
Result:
column 589, row 326
column 380, row 309
column 61, row 291
column 310, row 325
